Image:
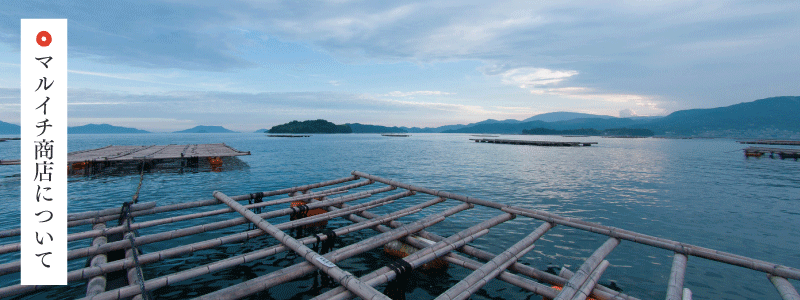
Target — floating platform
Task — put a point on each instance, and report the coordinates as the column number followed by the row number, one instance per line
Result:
column 287, row 135
column 335, row 197
column 534, row 143
column 189, row 155
column 9, row 139
column 484, row 135
column 771, row 142
column 395, row 135
column 782, row 153
column 153, row 152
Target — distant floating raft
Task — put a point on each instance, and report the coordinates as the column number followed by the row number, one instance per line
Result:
column 287, row 135
column 395, row 135
column 771, row 142
column 782, row 153
column 94, row 160
column 266, row 211
column 138, row 153
column 534, row 143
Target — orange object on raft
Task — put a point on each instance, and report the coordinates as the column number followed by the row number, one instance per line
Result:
column 215, row 161
column 79, row 165
column 559, row 288
column 753, row 154
column 309, row 213
column 400, row 250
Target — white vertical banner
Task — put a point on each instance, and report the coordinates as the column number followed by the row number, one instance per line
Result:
column 43, row 151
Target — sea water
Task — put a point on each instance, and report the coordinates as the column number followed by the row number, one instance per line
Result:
column 698, row 191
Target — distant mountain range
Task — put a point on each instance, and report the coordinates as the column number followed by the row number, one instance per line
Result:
column 102, row 128
column 775, row 117
column 8, row 128
column 362, row 128
column 206, row 129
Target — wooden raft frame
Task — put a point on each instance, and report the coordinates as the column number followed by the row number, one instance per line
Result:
column 454, row 249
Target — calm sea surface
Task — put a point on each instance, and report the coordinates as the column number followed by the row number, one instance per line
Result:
column 702, row 192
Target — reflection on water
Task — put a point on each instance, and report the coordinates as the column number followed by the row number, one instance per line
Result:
column 702, row 192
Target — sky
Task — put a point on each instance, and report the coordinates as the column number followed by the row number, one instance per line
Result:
column 170, row 65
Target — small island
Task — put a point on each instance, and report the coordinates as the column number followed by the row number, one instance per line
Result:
column 206, row 129
column 311, row 126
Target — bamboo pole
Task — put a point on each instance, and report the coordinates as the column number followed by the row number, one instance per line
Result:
column 130, row 253
column 97, row 284
column 687, row 249
column 290, row 273
column 785, row 289
column 147, row 208
column 687, row 294
column 216, row 266
column 601, row 292
column 467, row 286
column 152, row 238
column 341, row 276
column 675, row 287
column 90, row 217
column 200, row 203
column 84, row 273
column 514, row 279
column 139, row 225
column 586, row 269
column 384, row 274
column 588, row 286
column 424, row 255
column 524, row 283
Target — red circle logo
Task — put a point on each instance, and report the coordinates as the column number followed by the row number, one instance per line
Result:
column 43, row 38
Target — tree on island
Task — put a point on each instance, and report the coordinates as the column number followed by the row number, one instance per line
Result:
column 315, row 126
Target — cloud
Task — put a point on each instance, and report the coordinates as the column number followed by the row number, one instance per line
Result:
column 535, row 77
column 671, row 50
column 417, row 93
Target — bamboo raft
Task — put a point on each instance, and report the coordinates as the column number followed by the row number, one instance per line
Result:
column 534, row 143
column 782, row 153
column 771, row 142
column 287, row 135
column 338, row 201
column 395, row 135
column 9, row 139
column 9, row 162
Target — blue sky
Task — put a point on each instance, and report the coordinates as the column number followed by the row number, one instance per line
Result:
column 245, row 65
